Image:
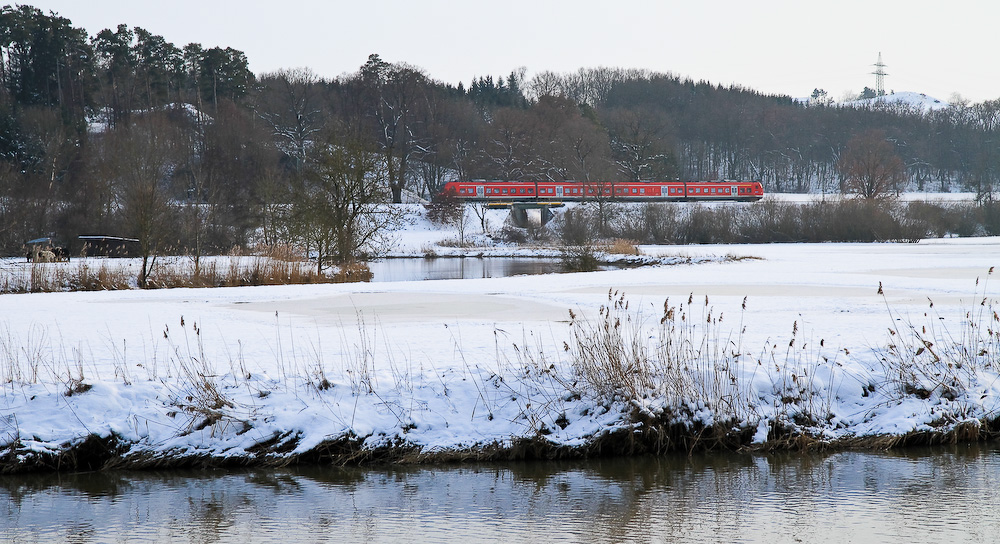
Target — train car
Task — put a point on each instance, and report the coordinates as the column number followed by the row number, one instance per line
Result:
column 640, row 191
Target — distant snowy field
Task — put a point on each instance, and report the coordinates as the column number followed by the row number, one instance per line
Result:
column 909, row 99
column 441, row 364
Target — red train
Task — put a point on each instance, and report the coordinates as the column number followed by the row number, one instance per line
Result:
column 514, row 191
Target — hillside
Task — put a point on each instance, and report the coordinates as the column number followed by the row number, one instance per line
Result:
column 916, row 101
column 256, row 167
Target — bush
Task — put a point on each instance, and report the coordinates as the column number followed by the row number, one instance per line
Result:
column 849, row 220
column 445, row 208
column 581, row 258
column 575, row 226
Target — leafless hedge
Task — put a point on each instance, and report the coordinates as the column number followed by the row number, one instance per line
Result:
column 850, row 220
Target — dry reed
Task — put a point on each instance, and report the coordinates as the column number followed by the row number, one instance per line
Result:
column 272, row 265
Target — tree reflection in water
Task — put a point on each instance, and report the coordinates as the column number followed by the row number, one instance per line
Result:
column 941, row 494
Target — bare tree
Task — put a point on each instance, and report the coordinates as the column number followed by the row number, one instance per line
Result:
column 273, row 193
column 290, row 104
column 57, row 147
column 138, row 158
column 395, row 91
column 870, row 165
column 546, row 83
column 572, row 146
column 340, row 210
column 640, row 143
column 510, row 146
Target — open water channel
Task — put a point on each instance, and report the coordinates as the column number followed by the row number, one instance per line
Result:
column 450, row 268
column 944, row 494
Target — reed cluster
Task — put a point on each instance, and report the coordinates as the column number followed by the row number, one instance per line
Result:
column 267, row 266
column 676, row 376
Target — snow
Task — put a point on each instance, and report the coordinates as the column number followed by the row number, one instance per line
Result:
column 455, row 364
column 915, row 100
column 919, row 101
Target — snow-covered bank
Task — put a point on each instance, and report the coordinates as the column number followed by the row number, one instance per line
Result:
column 796, row 340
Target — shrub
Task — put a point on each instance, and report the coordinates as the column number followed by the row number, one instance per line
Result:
column 581, row 258
column 575, row 226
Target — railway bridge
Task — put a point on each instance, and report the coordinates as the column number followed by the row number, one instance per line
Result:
column 524, row 214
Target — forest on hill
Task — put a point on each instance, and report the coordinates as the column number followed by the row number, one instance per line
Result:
column 183, row 147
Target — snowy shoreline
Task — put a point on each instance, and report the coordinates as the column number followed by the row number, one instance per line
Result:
column 790, row 348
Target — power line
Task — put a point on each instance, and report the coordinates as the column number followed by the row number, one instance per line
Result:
column 880, row 76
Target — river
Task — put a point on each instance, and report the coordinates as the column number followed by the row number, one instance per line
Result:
column 449, row 268
column 943, row 494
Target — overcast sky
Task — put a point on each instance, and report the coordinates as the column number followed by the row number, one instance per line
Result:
column 774, row 46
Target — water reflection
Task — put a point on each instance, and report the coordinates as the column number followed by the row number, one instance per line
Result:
column 410, row 269
column 945, row 494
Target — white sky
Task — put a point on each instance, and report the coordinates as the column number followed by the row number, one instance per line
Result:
column 774, row 46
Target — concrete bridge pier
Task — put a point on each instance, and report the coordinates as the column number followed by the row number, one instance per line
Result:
column 524, row 214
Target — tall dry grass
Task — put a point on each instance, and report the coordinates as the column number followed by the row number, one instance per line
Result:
column 273, row 265
column 688, row 365
column 930, row 359
column 692, row 362
column 681, row 364
column 622, row 246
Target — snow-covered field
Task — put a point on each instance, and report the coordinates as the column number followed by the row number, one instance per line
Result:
column 793, row 335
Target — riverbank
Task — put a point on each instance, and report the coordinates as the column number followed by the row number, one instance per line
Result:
column 816, row 345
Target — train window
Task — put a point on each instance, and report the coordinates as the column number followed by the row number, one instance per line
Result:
column 505, row 191
column 642, row 191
